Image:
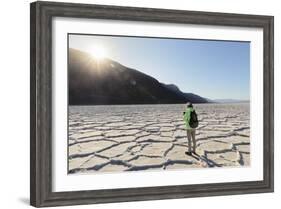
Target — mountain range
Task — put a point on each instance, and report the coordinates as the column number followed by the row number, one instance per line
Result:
column 105, row 81
column 230, row 101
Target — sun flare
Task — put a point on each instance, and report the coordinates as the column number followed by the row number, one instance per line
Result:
column 99, row 52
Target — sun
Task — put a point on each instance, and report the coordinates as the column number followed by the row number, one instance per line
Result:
column 99, row 52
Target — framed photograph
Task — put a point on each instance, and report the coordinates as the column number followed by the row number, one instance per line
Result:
column 131, row 104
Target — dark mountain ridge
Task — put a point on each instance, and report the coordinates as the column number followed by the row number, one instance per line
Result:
column 99, row 82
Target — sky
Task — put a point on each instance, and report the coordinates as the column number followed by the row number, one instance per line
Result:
column 209, row 68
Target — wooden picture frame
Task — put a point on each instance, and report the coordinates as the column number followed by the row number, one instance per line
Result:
column 41, row 91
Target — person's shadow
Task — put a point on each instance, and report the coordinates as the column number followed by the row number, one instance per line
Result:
column 209, row 162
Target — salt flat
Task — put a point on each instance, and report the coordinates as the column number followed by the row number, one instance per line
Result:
column 144, row 137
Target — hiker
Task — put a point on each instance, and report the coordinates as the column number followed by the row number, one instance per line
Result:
column 191, row 122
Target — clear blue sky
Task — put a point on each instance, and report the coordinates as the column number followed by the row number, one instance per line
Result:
column 211, row 69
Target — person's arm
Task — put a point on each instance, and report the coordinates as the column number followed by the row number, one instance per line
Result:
column 187, row 117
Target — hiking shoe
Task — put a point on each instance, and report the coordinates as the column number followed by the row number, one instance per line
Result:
column 188, row 153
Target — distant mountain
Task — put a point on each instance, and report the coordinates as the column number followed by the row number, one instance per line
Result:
column 211, row 101
column 229, row 101
column 94, row 82
column 189, row 96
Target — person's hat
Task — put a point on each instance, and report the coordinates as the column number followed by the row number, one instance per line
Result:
column 189, row 104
